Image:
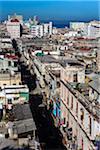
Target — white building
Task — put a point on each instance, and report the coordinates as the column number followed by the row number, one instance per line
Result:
column 14, row 28
column 54, row 30
column 41, row 30
column 50, row 28
column 78, row 26
column 13, row 94
column 37, row 30
column 47, row 28
column 9, row 63
column 94, row 29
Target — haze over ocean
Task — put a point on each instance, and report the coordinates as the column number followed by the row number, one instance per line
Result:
column 60, row 12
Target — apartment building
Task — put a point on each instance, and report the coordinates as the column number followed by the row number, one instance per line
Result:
column 40, row 65
column 9, row 78
column 79, row 26
column 13, row 94
column 14, row 28
column 37, row 30
column 8, row 62
column 5, row 42
column 94, row 29
column 90, row 29
column 80, row 122
column 54, row 96
column 41, row 30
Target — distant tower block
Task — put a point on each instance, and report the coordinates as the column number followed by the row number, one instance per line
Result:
column 50, row 28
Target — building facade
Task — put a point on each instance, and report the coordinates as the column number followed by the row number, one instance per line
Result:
column 79, row 123
column 13, row 94
column 14, row 28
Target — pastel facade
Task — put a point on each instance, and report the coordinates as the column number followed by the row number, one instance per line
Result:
column 79, row 119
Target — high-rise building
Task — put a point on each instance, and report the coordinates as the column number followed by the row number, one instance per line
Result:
column 94, row 29
column 14, row 28
column 37, row 30
column 47, row 28
column 78, row 26
column 50, row 28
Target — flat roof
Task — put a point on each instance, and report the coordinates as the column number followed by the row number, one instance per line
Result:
column 22, row 111
column 24, row 121
column 25, row 126
column 95, row 83
column 48, row 59
column 72, row 62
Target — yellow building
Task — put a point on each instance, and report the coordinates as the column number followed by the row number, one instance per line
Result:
column 8, row 78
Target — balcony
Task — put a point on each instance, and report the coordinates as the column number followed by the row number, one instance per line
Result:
column 84, row 101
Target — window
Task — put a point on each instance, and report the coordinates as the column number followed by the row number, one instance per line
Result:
column 72, row 102
column 64, row 94
column 58, row 84
column 68, row 99
column 77, row 109
column 64, row 120
column 92, row 91
column 15, row 64
column 9, row 101
column 90, row 125
column 75, row 78
column 82, row 144
column 15, row 98
column 82, row 115
column 9, row 63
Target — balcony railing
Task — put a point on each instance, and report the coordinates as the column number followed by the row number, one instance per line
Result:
column 85, row 102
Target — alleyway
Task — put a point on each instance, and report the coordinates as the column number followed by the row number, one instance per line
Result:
column 46, row 131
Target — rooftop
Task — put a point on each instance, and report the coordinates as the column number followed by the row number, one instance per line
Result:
column 22, row 111
column 72, row 62
column 48, row 59
column 95, row 83
column 23, row 118
column 25, row 126
column 14, row 20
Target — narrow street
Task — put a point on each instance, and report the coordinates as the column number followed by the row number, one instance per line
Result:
column 49, row 136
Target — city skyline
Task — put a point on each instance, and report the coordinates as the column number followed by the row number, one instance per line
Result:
column 49, row 75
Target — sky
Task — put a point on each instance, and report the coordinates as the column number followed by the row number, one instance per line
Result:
column 67, row 10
